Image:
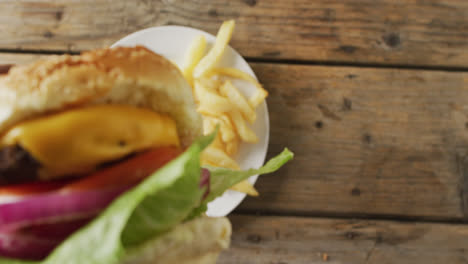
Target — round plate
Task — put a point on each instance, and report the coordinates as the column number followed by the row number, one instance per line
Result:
column 172, row 42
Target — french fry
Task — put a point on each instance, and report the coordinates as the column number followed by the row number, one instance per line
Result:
column 209, row 102
column 226, row 129
column 234, row 73
column 245, row 187
column 193, row 56
column 245, row 133
column 225, row 118
column 221, row 103
column 209, row 125
column 210, row 84
column 232, row 93
column 232, row 147
column 259, row 95
column 217, row 157
column 222, row 39
column 227, row 134
column 258, row 98
column 218, row 142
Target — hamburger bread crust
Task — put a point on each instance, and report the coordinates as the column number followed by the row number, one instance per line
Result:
column 132, row 76
column 198, row 241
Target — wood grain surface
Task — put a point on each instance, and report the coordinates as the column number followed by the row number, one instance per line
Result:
column 367, row 141
column 430, row 33
column 270, row 239
column 370, row 95
column 19, row 58
column 376, row 142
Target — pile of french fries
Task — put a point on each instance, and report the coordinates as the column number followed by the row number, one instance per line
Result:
column 221, row 103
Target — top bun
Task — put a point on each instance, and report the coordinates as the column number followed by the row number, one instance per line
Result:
column 125, row 75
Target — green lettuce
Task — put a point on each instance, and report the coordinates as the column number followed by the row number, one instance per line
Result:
column 222, row 179
column 167, row 198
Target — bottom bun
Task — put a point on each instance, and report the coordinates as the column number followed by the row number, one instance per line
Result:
column 198, row 241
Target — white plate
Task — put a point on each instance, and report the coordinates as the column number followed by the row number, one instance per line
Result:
column 172, row 42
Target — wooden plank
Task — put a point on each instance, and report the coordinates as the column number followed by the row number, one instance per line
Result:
column 307, row 240
column 19, row 58
column 407, row 32
column 367, row 142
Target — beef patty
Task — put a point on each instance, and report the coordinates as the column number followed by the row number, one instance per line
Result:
column 17, row 166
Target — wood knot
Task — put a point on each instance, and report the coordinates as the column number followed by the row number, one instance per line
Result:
column 349, row 49
column 367, row 138
column 274, row 53
column 59, row 15
column 355, row 191
column 319, row 124
column 351, row 235
column 48, row 34
column 329, row 15
column 254, row 238
column 379, row 238
column 392, row 40
column 213, row 12
column 250, row 2
column 347, row 104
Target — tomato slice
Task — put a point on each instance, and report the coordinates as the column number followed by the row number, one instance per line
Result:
column 130, row 171
column 31, row 188
column 127, row 172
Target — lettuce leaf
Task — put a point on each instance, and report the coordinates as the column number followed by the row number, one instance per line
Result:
column 150, row 209
column 222, row 179
column 100, row 242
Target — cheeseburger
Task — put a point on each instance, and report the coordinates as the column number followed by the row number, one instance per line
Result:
column 68, row 115
column 100, row 163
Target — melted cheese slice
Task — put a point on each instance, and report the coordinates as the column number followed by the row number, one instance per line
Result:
column 77, row 140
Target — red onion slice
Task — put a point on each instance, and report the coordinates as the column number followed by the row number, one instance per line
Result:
column 205, row 181
column 58, row 230
column 31, row 228
column 25, row 247
column 55, row 206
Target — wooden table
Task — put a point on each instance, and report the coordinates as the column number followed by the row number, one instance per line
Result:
column 371, row 95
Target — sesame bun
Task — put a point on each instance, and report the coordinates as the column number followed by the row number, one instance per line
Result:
column 132, row 76
column 199, row 241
